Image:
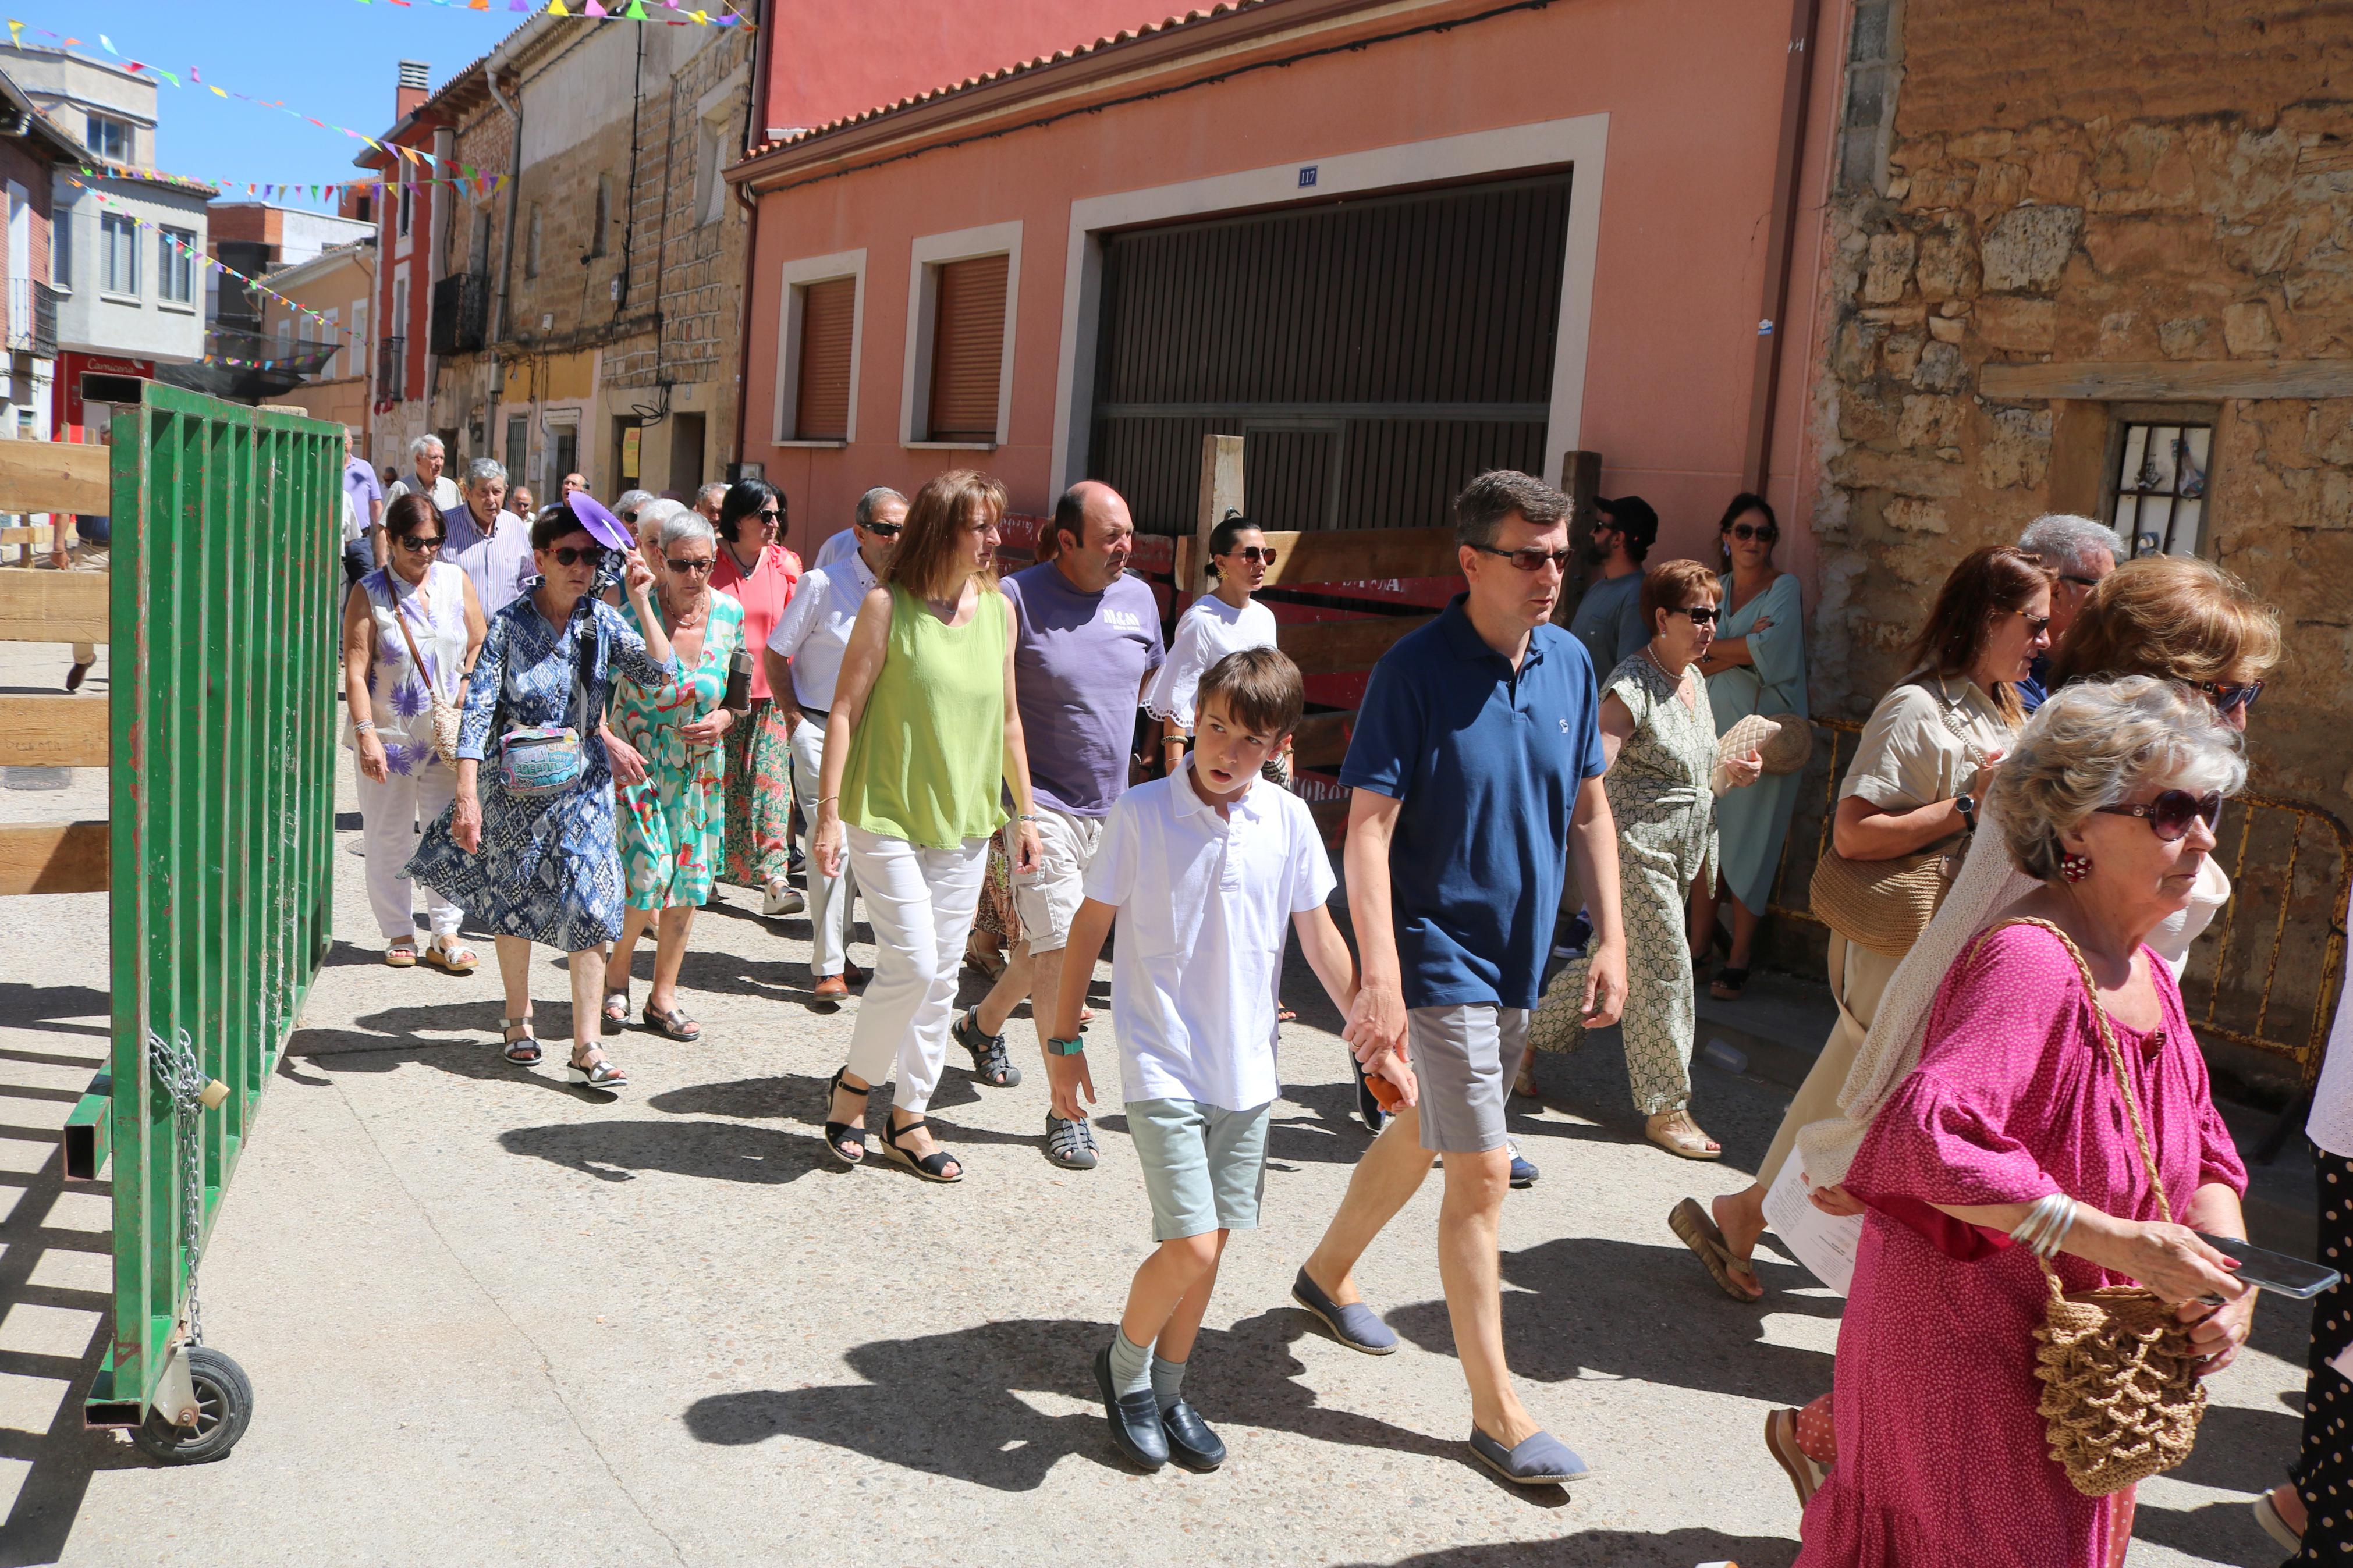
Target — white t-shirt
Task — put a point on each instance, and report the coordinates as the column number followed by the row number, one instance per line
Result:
column 814, row 631
column 841, row 547
column 1204, row 902
column 2331, row 1122
column 444, row 494
column 1208, row 631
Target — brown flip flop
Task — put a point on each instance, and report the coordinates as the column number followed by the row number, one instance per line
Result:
column 1698, row 1230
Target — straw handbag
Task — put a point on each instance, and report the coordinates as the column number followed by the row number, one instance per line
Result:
column 449, row 715
column 2121, row 1397
column 1884, row 905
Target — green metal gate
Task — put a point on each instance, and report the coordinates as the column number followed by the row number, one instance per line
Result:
column 226, row 572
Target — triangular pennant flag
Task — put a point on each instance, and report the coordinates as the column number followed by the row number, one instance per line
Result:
column 108, row 45
column 192, row 76
column 555, row 8
column 636, row 11
column 593, row 8
column 217, row 92
column 16, row 32
column 167, row 75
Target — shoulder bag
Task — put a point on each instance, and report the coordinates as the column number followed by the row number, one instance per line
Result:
column 1884, row 905
column 449, row 715
column 546, row 759
column 2121, row 1396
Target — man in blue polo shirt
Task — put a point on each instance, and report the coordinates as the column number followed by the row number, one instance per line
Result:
column 1476, row 766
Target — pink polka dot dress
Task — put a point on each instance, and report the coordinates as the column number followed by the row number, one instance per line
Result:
column 1941, row 1457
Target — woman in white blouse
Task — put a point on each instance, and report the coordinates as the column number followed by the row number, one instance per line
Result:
column 1225, row 621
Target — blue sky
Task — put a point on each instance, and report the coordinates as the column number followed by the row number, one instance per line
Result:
column 333, row 59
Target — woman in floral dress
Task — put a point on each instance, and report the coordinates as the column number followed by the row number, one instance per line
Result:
column 547, row 869
column 1658, row 736
column 761, row 575
column 673, row 825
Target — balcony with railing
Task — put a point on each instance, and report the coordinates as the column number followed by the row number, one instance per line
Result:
column 392, row 368
column 461, row 308
column 33, row 318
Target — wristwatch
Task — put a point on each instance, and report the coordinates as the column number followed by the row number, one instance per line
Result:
column 1062, row 1047
column 1967, row 805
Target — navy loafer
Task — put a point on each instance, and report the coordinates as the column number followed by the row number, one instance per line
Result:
column 1136, row 1428
column 1355, row 1325
column 1190, row 1442
column 1368, row 1109
column 1543, row 1460
column 1524, row 1173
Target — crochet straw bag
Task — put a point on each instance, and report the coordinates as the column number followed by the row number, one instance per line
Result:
column 1884, row 905
column 2121, row 1397
column 448, row 716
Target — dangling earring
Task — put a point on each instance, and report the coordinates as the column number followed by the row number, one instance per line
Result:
column 2075, row 865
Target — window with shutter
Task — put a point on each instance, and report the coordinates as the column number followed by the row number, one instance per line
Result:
column 828, row 314
column 967, row 349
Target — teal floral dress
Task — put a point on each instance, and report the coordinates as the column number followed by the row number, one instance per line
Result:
column 674, row 826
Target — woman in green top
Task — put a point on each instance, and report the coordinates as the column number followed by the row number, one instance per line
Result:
column 922, row 734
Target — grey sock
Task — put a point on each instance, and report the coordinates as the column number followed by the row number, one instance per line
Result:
column 1167, row 1382
column 1131, row 1365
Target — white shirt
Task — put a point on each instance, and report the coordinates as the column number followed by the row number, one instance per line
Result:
column 814, row 630
column 2331, row 1124
column 1208, row 631
column 351, row 530
column 1204, row 903
column 501, row 565
column 444, row 495
column 841, row 547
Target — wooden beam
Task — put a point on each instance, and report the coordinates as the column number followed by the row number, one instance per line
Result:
column 1363, row 555
column 40, row 533
column 1321, row 740
column 1329, row 647
column 55, row 858
column 56, row 476
column 1221, row 491
column 53, row 732
column 55, row 606
column 2170, row 381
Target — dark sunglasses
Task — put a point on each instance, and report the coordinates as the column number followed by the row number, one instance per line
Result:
column 1253, row 554
column 884, row 530
column 2226, row 698
column 675, row 565
column 770, row 515
column 2035, row 625
column 572, row 555
column 1530, row 559
column 630, row 516
column 2170, row 813
column 1701, row 614
column 1747, row 531
column 421, row 544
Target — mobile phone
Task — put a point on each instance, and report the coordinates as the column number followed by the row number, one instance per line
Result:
column 2274, row 1271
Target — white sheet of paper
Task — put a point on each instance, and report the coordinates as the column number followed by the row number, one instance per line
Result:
column 1824, row 1243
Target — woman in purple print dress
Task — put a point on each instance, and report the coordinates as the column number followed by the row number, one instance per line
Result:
column 390, row 724
column 2109, row 800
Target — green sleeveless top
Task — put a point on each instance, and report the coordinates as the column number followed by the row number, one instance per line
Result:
column 927, row 761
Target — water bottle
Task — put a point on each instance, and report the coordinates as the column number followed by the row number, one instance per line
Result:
column 739, row 682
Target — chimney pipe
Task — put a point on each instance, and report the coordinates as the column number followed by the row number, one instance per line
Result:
column 416, row 87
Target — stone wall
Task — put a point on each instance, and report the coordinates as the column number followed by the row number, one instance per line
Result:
column 2158, row 184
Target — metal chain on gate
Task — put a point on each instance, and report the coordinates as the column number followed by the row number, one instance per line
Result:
column 181, row 1076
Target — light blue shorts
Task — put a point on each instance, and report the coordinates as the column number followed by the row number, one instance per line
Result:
column 1204, row 1166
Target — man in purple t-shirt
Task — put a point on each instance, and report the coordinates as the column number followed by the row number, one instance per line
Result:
column 360, row 483
column 1086, row 641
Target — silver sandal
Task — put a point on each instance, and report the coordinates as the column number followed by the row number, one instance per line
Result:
column 598, row 1074
column 522, row 1053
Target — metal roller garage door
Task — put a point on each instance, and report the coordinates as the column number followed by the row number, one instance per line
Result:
column 1375, row 352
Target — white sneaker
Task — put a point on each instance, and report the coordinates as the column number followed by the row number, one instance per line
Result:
column 781, row 901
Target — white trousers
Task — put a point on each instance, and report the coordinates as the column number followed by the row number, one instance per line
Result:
column 920, row 902
column 831, row 899
column 388, row 819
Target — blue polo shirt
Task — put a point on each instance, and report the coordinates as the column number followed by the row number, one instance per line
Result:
column 1485, row 763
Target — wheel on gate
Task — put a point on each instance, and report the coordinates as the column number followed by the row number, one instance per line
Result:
column 223, row 1406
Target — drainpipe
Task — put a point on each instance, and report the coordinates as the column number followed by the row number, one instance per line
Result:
column 445, row 151
column 1773, row 325
column 506, row 263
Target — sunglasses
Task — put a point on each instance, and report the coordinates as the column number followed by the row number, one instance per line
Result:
column 1253, row 554
column 2035, row 625
column 421, row 544
column 1700, row 614
column 1743, row 531
column 770, row 515
column 630, row 516
column 572, row 555
column 2172, row 813
column 675, row 565
column 1530, row 559
column 884, row 530
column 2226, row 698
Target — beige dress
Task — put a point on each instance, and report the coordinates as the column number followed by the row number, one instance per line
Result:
column 1925, row 742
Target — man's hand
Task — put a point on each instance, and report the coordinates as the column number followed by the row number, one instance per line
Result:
column 629, row 765
column 1605, row 986
column 1029, row 851
column 1376, row 1023
column 1069, row 1078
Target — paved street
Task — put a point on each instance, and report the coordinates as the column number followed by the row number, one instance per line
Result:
column 490, row 1318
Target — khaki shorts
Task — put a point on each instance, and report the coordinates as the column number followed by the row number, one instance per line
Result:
column 1050, row 897
column 1465, row 1058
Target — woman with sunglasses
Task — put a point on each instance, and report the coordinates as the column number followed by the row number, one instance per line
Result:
column 671, row 833
column 417, row 602
column 1657, row 739
column 1920, row 768
column 546, row 868
column 1757, row 665
column 1225, row 620
column 759, row 574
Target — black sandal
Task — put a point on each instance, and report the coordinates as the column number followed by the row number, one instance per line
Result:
column 932, row 1167
column 1728, row 983
column 522, row 1053
column 836, row 1132
column 673, row 1025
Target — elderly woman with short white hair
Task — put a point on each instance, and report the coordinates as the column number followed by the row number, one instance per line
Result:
column 2059, row 1127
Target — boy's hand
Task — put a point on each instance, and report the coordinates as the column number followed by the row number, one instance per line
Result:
column 1377, row 1021
column 1069, row 1078
column 1391, row 1065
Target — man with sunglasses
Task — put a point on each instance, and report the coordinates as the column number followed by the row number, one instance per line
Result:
column 2082, row 550
column 1476, row 776
column 491, row 545
column 1608, row 619
column 803, row 662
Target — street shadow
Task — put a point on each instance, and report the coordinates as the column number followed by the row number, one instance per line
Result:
column 1610, row 1549
column 951, row 1405
column 1587, row 1305
column 801, row 1096
column 2215, row 1533
column 42, row 1007
column 387, row 1040
column 2242, row 1450
column 712, row 1150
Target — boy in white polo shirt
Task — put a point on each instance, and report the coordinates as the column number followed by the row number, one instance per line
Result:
column 1202, row 869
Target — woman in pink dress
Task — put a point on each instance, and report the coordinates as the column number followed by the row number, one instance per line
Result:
column 2109, row 800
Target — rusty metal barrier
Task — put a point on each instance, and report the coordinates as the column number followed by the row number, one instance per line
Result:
column 2264, row 973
